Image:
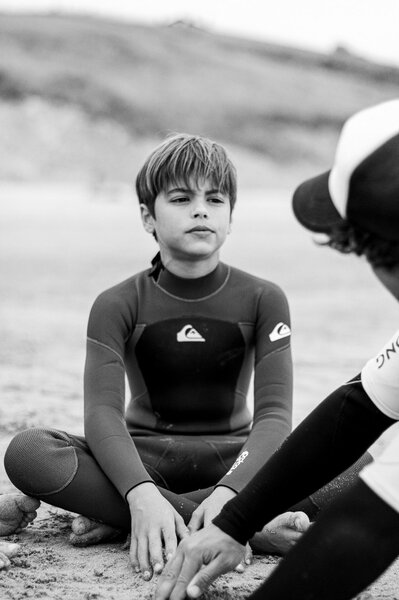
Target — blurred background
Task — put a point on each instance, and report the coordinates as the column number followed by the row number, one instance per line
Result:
column 87, row 89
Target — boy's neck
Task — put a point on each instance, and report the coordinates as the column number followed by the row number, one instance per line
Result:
column 190, row 269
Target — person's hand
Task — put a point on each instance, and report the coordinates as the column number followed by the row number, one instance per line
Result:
column 185, row 573
column 156, row 526
column 209, row 509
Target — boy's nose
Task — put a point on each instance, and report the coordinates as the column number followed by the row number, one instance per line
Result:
column 200, row 210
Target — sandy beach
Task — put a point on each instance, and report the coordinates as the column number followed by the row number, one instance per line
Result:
column 59, row 248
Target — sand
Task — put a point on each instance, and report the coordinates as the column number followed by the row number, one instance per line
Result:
column 49, row 567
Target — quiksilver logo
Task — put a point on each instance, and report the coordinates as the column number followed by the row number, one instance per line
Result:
column 189, row 334
column 280, row 331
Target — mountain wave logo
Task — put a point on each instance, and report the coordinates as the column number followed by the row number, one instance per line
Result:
column 280, row 331
column 189, row 334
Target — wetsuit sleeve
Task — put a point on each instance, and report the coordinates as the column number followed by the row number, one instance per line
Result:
column 352, row 542
column 272, row 388
column 326, row 443
column 110, row 324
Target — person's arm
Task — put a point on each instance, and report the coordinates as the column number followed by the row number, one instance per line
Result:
column 327, row 442
column 155, row 524
column 110, row 324
column 272, row 418
column 272, row 404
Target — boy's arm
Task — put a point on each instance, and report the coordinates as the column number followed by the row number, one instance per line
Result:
column 104, row 395
column 272, row 389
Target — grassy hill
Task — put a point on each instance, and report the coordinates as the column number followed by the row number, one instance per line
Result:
column 91, row 94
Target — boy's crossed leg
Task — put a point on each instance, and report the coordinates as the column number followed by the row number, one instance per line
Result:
column 60, row 469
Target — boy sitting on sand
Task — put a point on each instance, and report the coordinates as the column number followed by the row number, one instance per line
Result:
column 187, row 333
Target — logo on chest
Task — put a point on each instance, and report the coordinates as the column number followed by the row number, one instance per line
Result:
column 189, row 334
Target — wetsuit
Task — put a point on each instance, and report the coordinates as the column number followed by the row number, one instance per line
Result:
column 188, row 348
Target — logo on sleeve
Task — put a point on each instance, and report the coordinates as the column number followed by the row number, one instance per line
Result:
column 280, row 331
column 188, row 334
column 387, row 353
column 239, row 461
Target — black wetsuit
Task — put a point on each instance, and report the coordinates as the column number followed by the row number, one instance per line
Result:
column 188, row 348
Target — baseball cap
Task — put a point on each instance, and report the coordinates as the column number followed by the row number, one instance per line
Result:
column 363, row 185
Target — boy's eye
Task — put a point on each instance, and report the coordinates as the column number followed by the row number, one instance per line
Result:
column 216, row 200
column 179, row 199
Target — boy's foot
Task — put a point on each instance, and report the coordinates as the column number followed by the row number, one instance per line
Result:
column 16, row 512
column 86, row 532
column 7, row 550
column 281, row 534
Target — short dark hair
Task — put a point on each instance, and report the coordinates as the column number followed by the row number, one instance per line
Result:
column 182, row 157
column 349, row 238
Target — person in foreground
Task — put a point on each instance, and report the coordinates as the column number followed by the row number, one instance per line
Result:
column 188, row 333
column 16, row 512
column 357, row 537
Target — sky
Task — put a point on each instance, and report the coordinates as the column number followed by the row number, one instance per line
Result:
column 367, row 27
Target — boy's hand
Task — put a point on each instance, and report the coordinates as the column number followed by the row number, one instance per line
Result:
column 184, row 575
column 155, row 527
column 209, row 509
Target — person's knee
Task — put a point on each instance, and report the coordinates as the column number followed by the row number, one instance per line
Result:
column 40, row 462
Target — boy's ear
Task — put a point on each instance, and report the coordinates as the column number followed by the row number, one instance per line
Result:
column 230, row 225
column 147, row 219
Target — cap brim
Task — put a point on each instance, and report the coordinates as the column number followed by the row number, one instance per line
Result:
column 313, row 206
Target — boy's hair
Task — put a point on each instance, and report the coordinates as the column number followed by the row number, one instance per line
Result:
column 181, row 158
column 348, row 238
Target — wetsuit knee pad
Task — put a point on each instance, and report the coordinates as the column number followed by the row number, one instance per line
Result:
column 40, row 462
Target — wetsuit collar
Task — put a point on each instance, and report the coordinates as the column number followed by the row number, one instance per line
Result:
column 193, row 288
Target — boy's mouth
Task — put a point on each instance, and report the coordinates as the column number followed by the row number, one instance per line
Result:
column 200, row 228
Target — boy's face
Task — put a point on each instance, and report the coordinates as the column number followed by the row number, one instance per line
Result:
column 191, row 222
